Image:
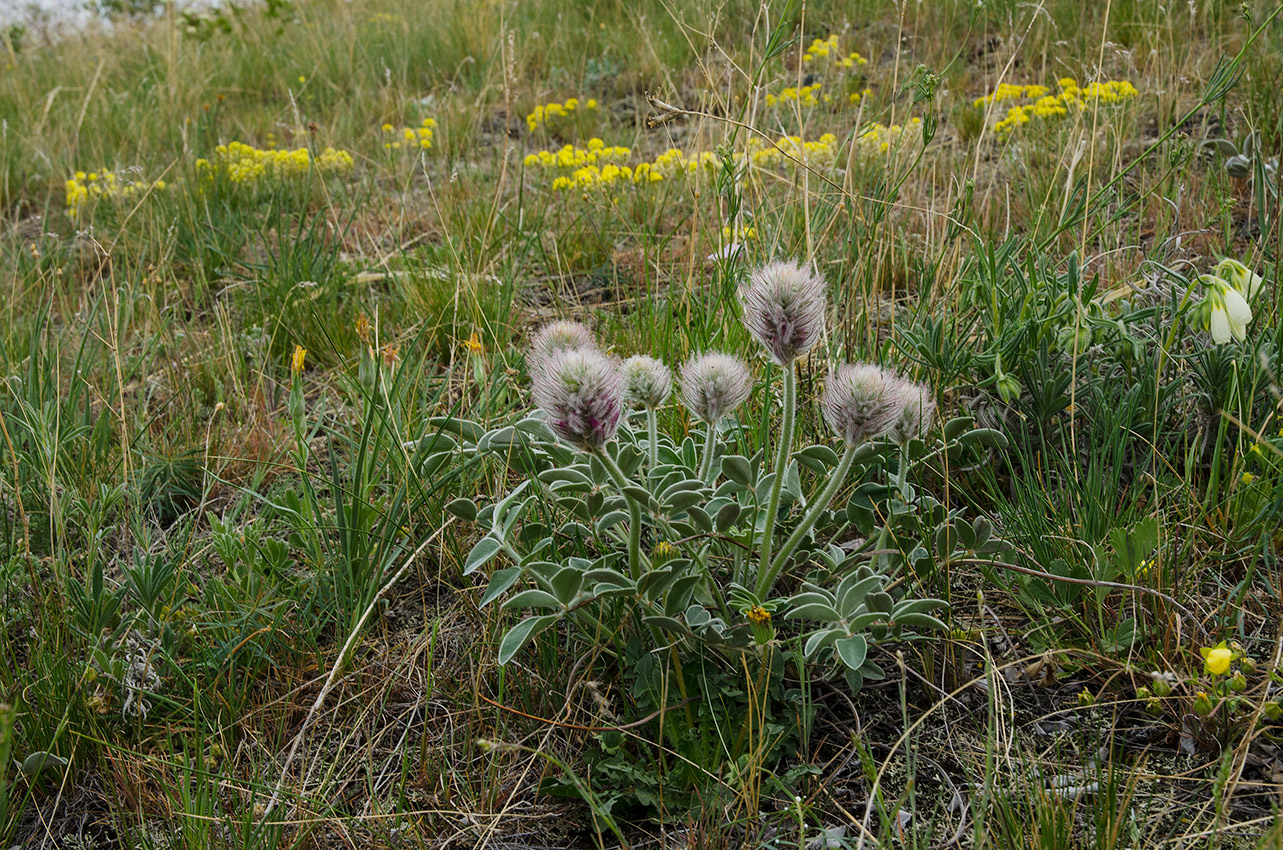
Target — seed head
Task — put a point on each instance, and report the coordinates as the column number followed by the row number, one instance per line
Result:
column 861, row 402
column 555, row 338
column 714, row 384
column 916, row 410
column 647, row 382
column 582, row 392
column 784, row 309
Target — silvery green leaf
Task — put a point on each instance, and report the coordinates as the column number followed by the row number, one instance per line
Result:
column 957, row 426
column 599, row 574
column 736, row 468
column 574, row 530
column 537, row 428
column 852, row 650
column 498, row 439
column 653, row 583
column 880, row 601
column 697, row 615
column 521, row 633
column 917, row 606
column 819, row 640
column 823, row 455
column 872, row 672
column 792, row 483
column 813, row 611
column 464, row 509
column 679, row 595
column 726, row 517
column 533, row 599
column 485, row 549
column 571, row 474
column 946, row 541
column 668, row 624
column 34, row 764
column 982, row 528
column 764, row 485
column 810, row 596
column 966, row 534
column 610, row 520
column 728, row 489
column 566, row 583
column 637, row 494
column 465, row 429
column 919, row 621
column 700, row 518
column 502, row 507
column 514, row 513
column 681, row 486
column 986, row 437
column 681, row 500
column 433, row 463
column 1238, row 167
column 500, row 581
column 853, row 590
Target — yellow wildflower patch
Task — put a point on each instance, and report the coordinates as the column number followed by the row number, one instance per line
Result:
column 84, row 188
column 414, row 138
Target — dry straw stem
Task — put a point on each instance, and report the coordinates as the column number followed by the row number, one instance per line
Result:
column 338, row 665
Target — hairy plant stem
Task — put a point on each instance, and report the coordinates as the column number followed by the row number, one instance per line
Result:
column 818, row 506
column 634, row 512
column 781, row 465
column 710, row 448
column 652, row 426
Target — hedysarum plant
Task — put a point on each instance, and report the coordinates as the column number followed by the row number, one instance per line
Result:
column 711, row 550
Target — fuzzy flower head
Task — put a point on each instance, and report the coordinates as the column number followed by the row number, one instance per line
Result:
column 916, row 410
column 784, row 309
column 1228, row 313
column 714, row 384
column 647, row 382
column 862, row 402
column 555, row 338
column 582, row 392
column 1239, row 276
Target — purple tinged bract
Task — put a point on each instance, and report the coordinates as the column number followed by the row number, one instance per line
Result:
column 582, row 393
column 861, row 402
column 784, row 308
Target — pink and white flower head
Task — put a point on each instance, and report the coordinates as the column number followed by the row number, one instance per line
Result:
column 582, row 392
column 714, row 384
column 861, row 402
column 647, row 382
column 784, row 309
column 555, row 338
column 916, row 411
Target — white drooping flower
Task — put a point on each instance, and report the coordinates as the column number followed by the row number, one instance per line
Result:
column 862, row 402
column 1228, row 313
column 1247, row 282
column 784, row 308
column 555, row 338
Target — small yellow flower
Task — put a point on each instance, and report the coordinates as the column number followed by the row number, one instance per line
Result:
column 1216, row 660
column 474, row 346
column 302, row 79
column 758, row 615
column 1248, row 477
column 296, row 362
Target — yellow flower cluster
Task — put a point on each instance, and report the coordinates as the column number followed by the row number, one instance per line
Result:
column 548, row 111
column 787, row 149
column 1070, row 98
column 410, row 137
column 739, row 234
column 806, row 95
column 242, row 163
column 880, row 138
column 82, row 188
column 570, row 156
column 827, row 48
column 1008, row 91
column 593, row 177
